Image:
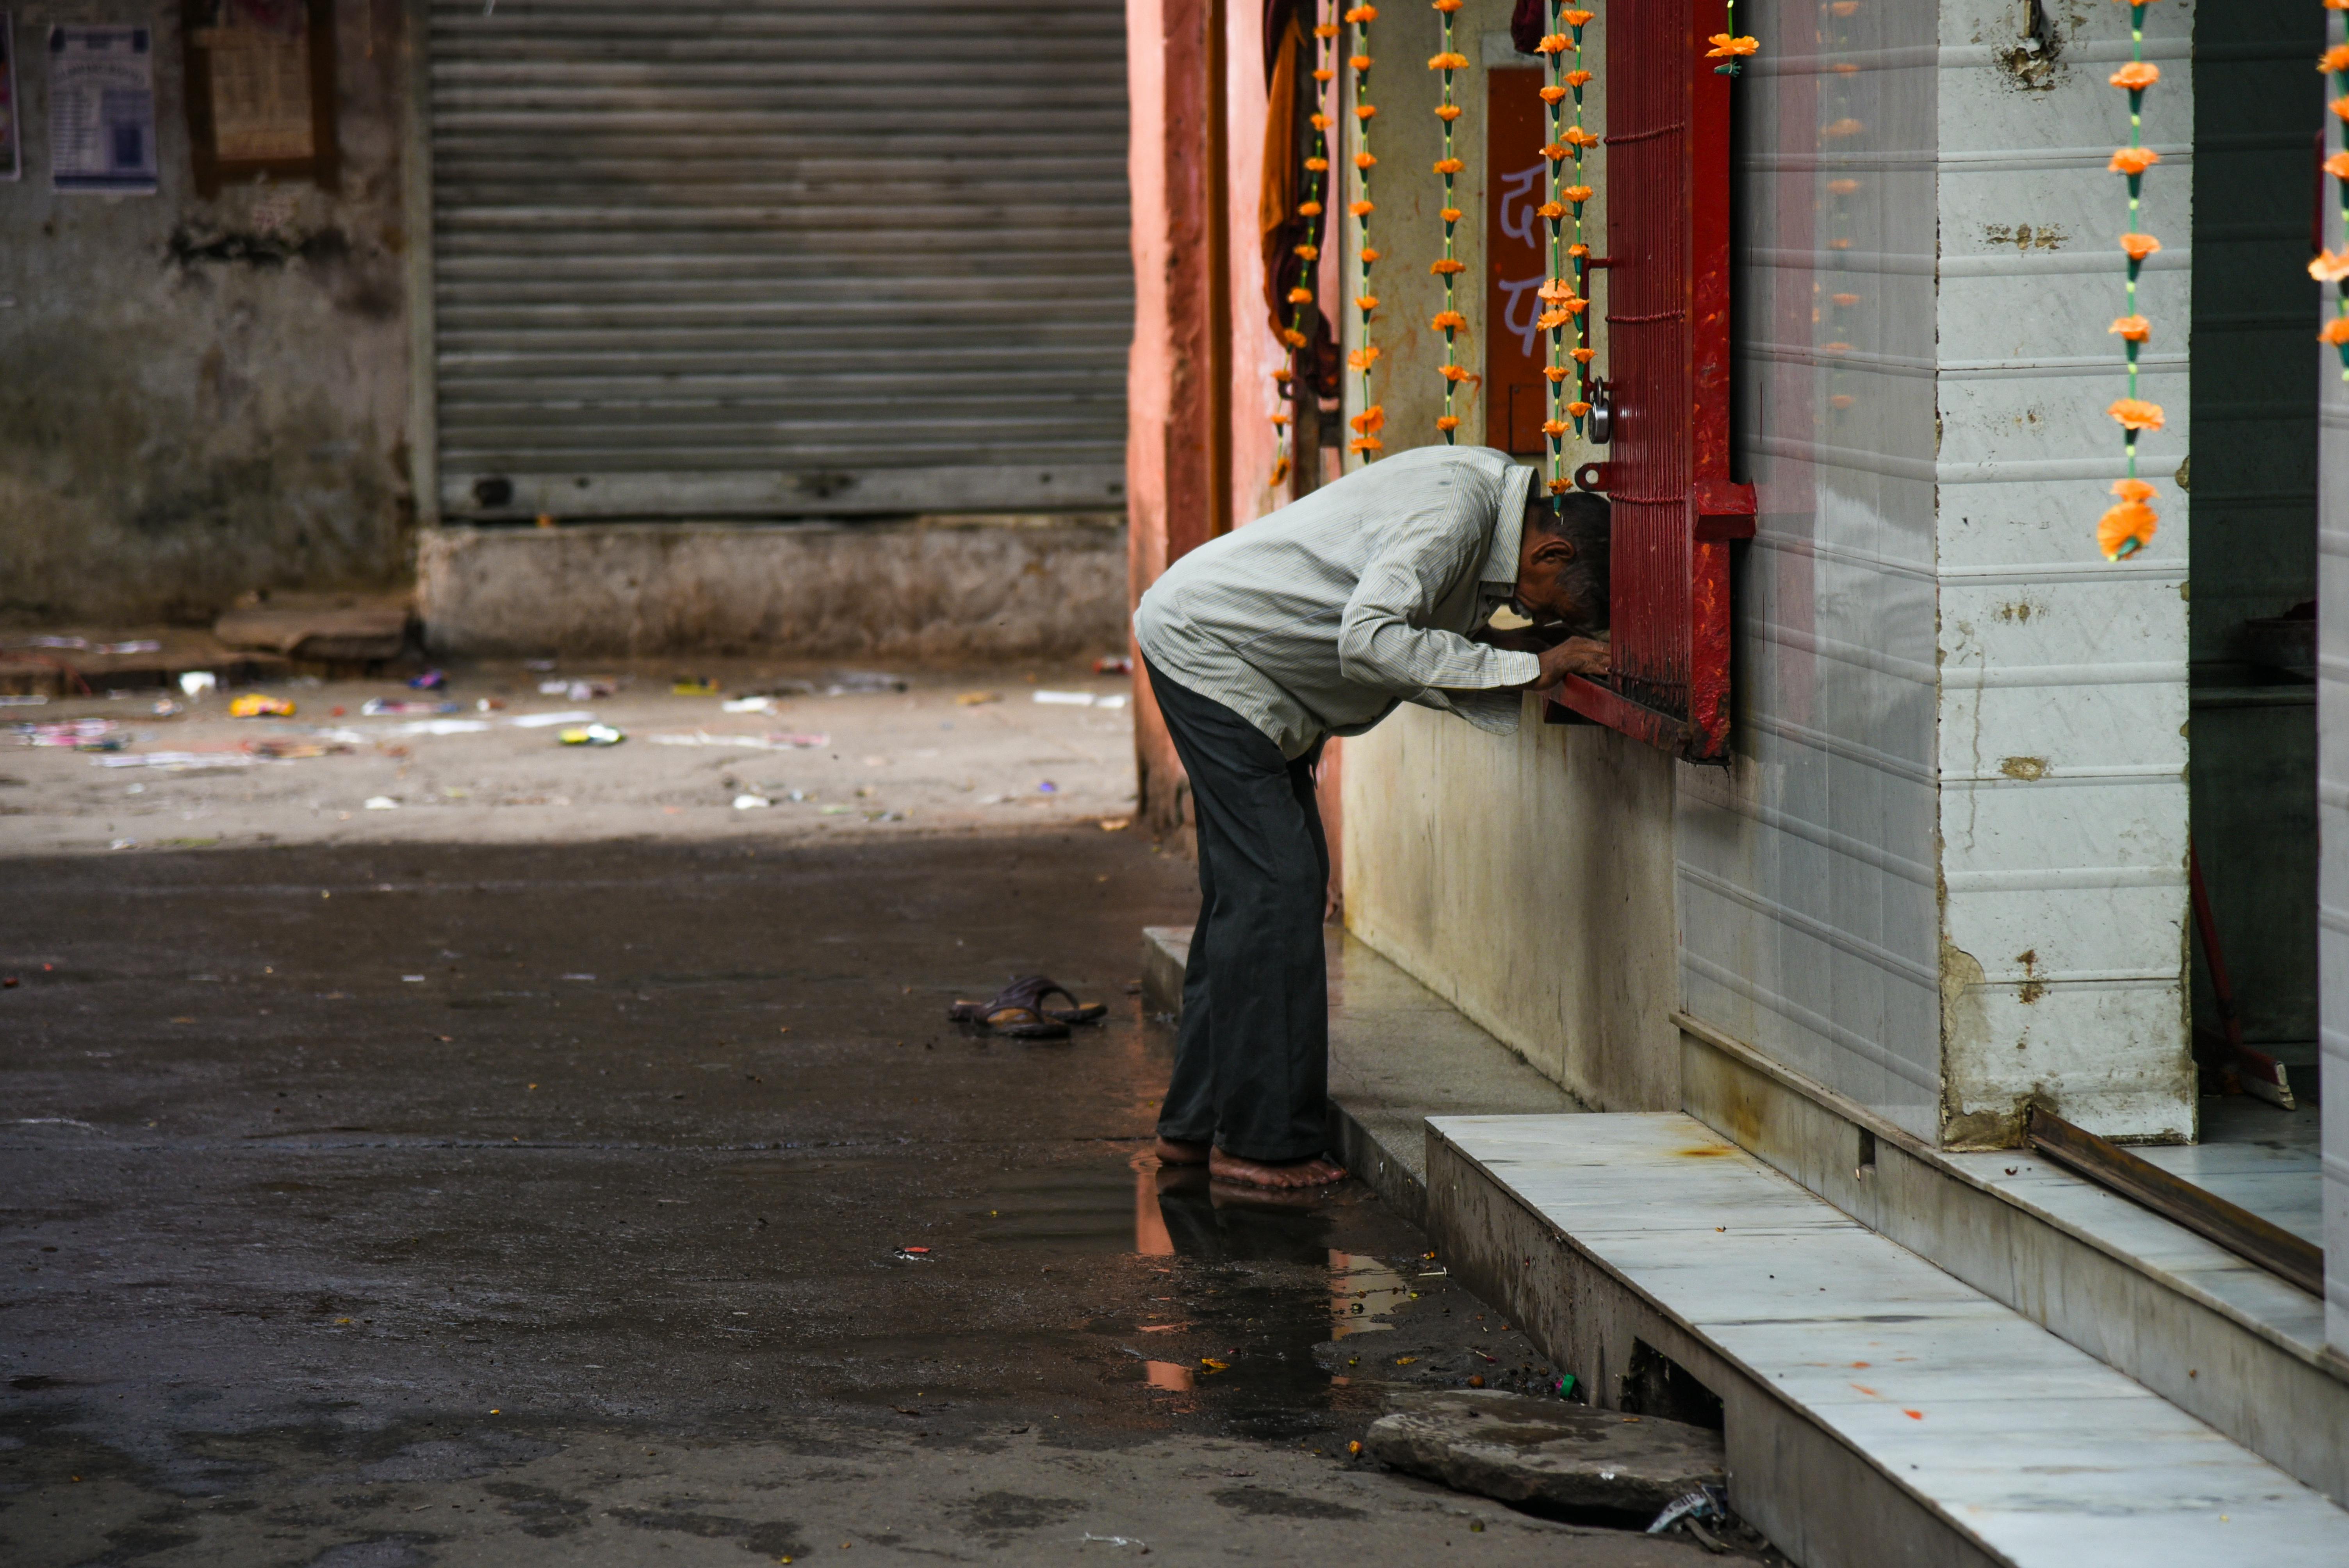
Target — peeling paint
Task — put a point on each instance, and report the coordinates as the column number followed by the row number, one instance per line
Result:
column 2030, row 769
column 2026, row 237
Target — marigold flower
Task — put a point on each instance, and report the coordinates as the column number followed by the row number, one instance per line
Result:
column 1367, row 302
column 1447, row 112
column 1551, row 320
column 1364, row 160
column 1556, row 290
column 2330, row 267
column 1447, row 62
column 2337, row 166
column 1369, row 255
column 1308, row 209
column 1578, row 408
column 1456, row 373
column 1578, row 78
column 1363, row 14
column 1553, row 43
column 1325, row 29
column 1280, row 472
column 1449, row 166
column 1725, row 47
column 1300, row 296
column 1446, row 267
column 1845, row 300
column 1281, row 419
column 1555, row 372
column 1576, row 18
column 1365, row 111
column 2125, row 529
column 2132, row 490
column 1558, row 487
column 1318, row 165
column 1324, row 74
column 1847, row 125
column 1447, row 7
column 1451, row 214
column 2334, row 331
column 1448, row 320
column 2134, row 328
column 1321, row 122
column 2340, row 107
column 1578, row 136
column 1553, row 428
column 1447, row 422
column 1359, row 62
column 1366, row 444
column 1552, row 95
column 1585, row 355
column 1361, row 209
column 1578, row 194
column 1578, row 249
column 2135, row 414
column 1553, row 211
column 1294, row 338
column 1362, row 359
column 1556, row 151
column 1371, row 421
column 2135, row 77
column 2133, row 159
column 1311, row 252
column 2140, row 246
column 1842, row 187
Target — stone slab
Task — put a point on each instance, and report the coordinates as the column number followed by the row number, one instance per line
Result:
column 1523, row 1449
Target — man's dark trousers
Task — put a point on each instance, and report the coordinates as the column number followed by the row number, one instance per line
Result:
column 1252, row 1058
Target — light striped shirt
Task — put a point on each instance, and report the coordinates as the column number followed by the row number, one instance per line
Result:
column 1318, row 619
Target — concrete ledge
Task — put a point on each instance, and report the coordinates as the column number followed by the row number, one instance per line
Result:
column 1876, row 1408
column 1398, row 1054
column 2219, row 1337
column 1004, row 589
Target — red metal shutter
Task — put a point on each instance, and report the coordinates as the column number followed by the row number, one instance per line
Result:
column 1666, row 287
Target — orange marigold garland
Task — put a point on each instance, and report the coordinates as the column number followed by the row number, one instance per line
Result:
column 2332, row 266
column 1373, row 419
column 1449, row 321
column 1316, row 194
column 1562, row 303
column 2129, row 526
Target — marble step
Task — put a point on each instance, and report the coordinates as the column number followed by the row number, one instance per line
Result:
column 1876, row 1408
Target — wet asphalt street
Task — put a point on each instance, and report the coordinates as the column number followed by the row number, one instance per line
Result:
column 397, row 1205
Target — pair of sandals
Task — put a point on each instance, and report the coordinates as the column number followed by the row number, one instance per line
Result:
column 1017, row 1011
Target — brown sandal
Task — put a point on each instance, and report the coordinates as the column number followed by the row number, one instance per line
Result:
column 1019, row 1011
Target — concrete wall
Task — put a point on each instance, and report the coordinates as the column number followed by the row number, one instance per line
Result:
column 953, row 589
column 203, row 397
column 1528, row 880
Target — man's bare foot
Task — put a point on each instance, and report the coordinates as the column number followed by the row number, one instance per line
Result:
column 1173, row 1151
column 1314, row 1172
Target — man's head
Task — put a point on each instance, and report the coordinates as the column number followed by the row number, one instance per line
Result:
column 1562, row 561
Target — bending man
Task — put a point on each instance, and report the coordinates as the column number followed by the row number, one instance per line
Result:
column 1313, row 622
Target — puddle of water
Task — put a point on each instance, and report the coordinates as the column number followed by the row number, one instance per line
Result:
column 1363, row 1294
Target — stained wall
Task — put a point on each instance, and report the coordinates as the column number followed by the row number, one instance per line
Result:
column 203, row 396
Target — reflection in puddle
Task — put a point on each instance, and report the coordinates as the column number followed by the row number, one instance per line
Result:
column 1168, row 1375
column 1363, row 1293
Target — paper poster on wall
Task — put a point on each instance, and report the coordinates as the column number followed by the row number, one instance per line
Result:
column 102, row 109
column 12, row 159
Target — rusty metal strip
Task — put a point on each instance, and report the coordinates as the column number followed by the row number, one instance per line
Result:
column 2207, row 1215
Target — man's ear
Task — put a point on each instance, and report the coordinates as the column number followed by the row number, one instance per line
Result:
column 1553, row 552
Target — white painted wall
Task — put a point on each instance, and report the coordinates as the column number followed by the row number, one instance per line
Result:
column 2332, row 794
column 1946, row 875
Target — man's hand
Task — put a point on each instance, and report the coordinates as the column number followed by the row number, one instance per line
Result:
column 1574, row 657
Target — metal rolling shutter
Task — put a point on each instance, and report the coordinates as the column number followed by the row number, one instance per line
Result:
column 778, row 257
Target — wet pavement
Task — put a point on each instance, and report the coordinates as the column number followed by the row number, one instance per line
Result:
column 376, row 1206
